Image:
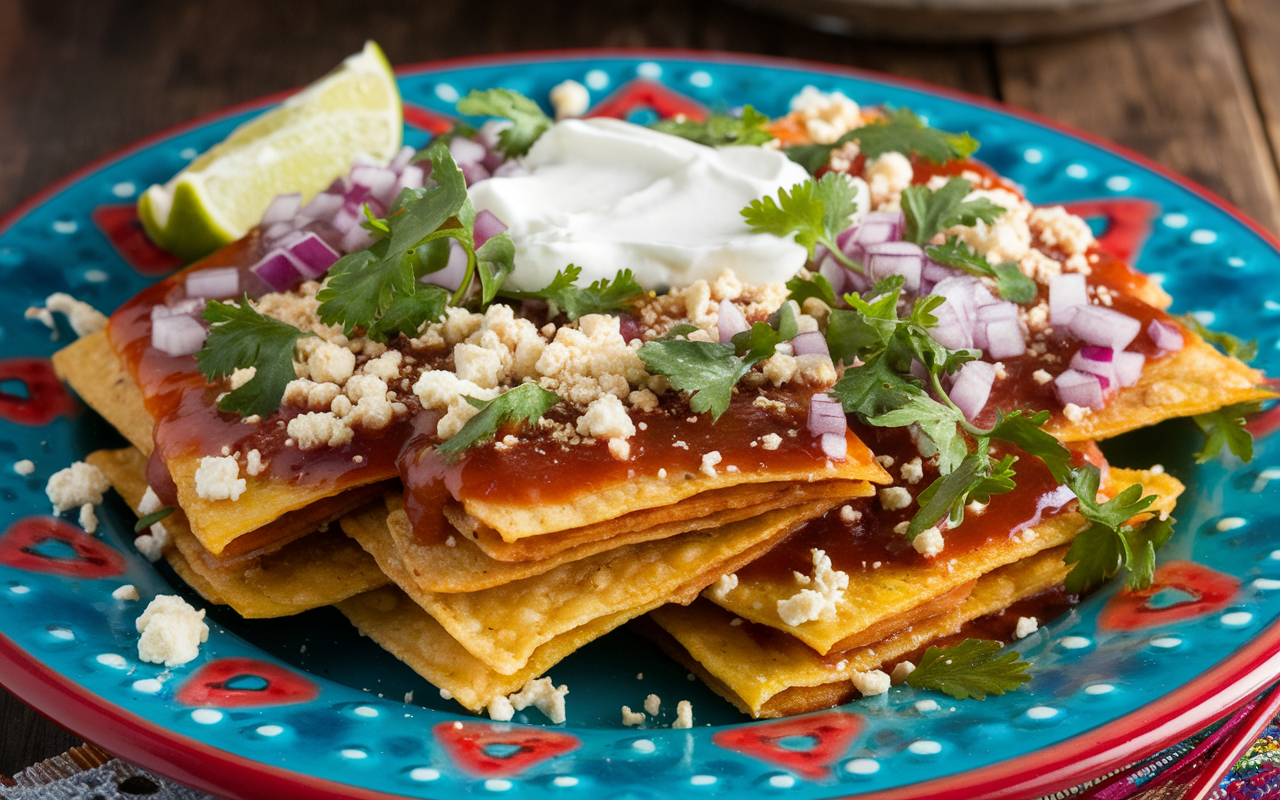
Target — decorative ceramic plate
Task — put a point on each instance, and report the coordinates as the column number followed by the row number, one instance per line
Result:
column 303, row 707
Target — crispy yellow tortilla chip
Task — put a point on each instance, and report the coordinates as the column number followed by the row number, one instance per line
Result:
column 393, row 620
column 504, row 625
column 766, row 673
column 704, row 510
column 91, row 367
column 894, row 589
column 517, row 521
column 452, row 563
column 314, row 571
column 1195, row 380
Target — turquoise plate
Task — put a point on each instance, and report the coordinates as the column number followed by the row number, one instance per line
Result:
column 304, row 707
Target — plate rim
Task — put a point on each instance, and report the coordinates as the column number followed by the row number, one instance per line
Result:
column 1136, row 735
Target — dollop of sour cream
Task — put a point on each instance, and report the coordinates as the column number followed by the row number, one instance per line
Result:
column 608, row 195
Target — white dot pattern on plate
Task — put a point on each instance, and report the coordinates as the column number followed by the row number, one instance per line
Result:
column 1266, row 584
column 1236, row 619
column 643, row 746
column 1175, row 220
column 1166, row 642
column 147, row 686
column 597, row 79
column 1229, row 523
column 1074, row 642
column 124, row 189
column 925, row 747
column 96, row 276
column 1235, row 261
column 269, row 730
column 782, row 781
column 207, row 716
column 112, row 660
column 1077, row 171
column 1032, row 156
column 18, row 588
column 65, row 226
column 498, row 785
column 447, row 93
column 1270, row 473
column 365, row 711
column 703, row 780
column 424, row 774
column 1204, row 317
column 1099, row 689
column 565, row 781
column 649, row 69
column 1041, row 713
column 1119, row 183
column 1203, row 236
column 353, row 753
column 188, row 153
column 925, row 706
column 862, row 766
column 701, row 79
column 60, row 633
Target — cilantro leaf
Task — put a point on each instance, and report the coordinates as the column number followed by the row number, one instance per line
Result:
column 707, row 371
column 904, row 132
column 408, row 313
column 818, row 286
column 1225, row 427
column 929, row 212
column 495, row 260
column 1026, row 432
column 1011, row 283
column 719, row 130
column 1228, row 343
column 528, row 120
column 815, row 211
column 973, row 668
column 1106, row 546
column 151, row 519
column 975, row 480
column 240, row 338
column 1143, row 542
column 525, row 403
column 600, row 297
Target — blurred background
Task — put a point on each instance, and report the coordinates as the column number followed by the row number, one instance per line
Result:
column 1192, row 84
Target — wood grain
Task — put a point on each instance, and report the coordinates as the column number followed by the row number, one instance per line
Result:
column 1173, row 88
column 1257, row 26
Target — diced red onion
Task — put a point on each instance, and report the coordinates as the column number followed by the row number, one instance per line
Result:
column 835, row 446
column 1104, row 327
column 1080, row 388
column 454, row 270
column 972, row 387
column 874, row 228
column 1090, row 360
column 191, row 307
column 218, row 282
column 411, row 177
column 826, row 416
column 896, row 258
column 465, row 151
column 487, row 226
column 473, row 173
column 1067, row 293
column 282, row 209
column 835, row 274
column 998, row 312
column 952, row 331
column 178, row 335
column 810, row 343
column 1164, row 335
column 323, row 206
column 402, row 159
column 511, row 169
column 895, row 218
column 492, row 160
column 356, row 238
column 491, row 131
column 932, row 273
column 1128, row 367
column 279, row 269
column 344, row 220
column 1005, row 340
column 732, row 322
column 276, row 231
column 312, row 255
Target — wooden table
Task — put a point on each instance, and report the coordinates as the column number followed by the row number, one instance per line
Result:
column 1197, row 90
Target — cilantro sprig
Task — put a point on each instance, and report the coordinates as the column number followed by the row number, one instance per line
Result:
column 378, row 288
column 708, row 371
column 600, row 297
column 528, row 120
column 1228, row 343
column 525, row 403
column 901, row 131
column 929, row 212
column 1224, row 427
column 151, row 519
column 1110, row 544
column 239, row 338
column 973, row 668
column 719, row 130
column 815, row 211
column 1011, row 283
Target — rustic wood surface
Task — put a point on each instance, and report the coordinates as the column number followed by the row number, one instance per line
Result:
column 1197, row 90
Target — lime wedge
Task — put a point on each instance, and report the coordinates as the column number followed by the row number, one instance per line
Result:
column 302, row 145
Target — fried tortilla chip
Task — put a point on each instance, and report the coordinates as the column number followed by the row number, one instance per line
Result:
column 453, row 563
column 1195, row 380
column 316, row 570
column 504, row 625
column 393, row 620
column 766, row 673
column 91, row 367
column 515, row 521
column 889, row 591
column 703, row 510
